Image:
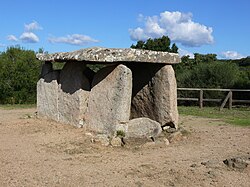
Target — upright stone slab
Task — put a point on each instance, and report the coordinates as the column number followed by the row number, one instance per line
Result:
column 155, row 94
column 73, row 94
column 47, row 93
column 110, row 99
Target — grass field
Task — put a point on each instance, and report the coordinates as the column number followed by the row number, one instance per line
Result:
column 236, row 116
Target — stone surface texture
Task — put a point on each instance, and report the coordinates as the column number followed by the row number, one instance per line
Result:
column 143, row 128
column 116, row 142
column 73, row 94
column 110, row 99
column 110, row 55
column 62, row 95
column 47, row 94
column 155, row 94
column 103, row 139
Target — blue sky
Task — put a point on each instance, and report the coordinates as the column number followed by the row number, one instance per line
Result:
column 212, row 26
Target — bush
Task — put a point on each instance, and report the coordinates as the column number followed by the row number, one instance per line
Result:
column 208, row 75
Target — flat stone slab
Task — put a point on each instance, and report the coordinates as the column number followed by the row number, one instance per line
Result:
column 111, row 55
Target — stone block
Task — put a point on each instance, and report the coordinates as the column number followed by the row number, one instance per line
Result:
column 110, row 99
column 47, row 95
column 73, row 94
column 155, row 93
column 143, row 128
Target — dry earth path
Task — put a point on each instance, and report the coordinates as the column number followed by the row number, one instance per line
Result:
column 38, row 152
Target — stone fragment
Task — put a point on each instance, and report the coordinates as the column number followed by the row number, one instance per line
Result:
column 171, row 130
column 166, row 141
column 176, row 136
column 110, row 55
column 47, row 94
column 110, row 99
column 155, row 94
column 165, row 128
column 116, row 142
column 73, row 94
column 102, row 139
column 237, row 162
column 143, row 128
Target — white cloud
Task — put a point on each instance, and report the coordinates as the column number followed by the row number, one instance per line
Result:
column 12, row 38
column 178, row 26
column 138, row 34
column 29, row 37
column 183, row 52
column 2, row 45
column 231, row 55
column 32, row 26
column 74, row 39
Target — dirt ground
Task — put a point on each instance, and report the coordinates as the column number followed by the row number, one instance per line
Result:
column 38, row 152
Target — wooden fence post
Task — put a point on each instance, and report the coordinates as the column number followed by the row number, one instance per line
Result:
column 201, row 99
column 230, row 101
column 225, row 101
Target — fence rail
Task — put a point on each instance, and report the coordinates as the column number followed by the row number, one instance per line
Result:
column 228, row 98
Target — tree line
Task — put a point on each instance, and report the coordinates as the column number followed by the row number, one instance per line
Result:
column 20, row 70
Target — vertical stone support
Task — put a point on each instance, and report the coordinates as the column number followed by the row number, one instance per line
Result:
column 110, row 99
column 73, row 94
column 47, row 92
column 155, row 94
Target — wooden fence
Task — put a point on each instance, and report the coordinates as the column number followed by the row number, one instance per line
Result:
column 228, row 98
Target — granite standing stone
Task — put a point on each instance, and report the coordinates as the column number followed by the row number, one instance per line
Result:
column 155, row 94
column 73, row 95
column 47, row 93
column 110, row 99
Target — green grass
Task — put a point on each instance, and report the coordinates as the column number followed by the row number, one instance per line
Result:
column 236, row 116
column 17, row 106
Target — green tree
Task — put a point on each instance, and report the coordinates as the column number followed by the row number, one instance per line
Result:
column 157, row 44
column 174, row 48
column 19, row 72
column 199, row 58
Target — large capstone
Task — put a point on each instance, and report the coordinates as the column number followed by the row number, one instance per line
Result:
column 112, row 55
column 73, row 94
column 110, row 99
column 155, row 94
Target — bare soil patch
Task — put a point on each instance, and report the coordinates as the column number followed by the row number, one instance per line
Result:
column 39, row 152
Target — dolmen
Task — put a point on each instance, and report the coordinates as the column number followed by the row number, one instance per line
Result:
column 134, row 94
